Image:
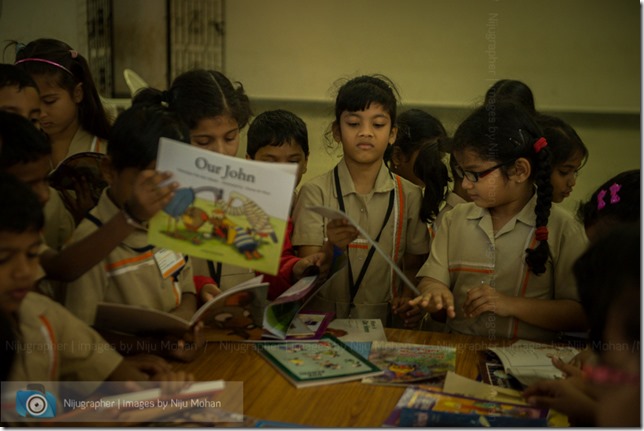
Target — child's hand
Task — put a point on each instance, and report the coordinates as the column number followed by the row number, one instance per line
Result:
column 566, row 396
column 484, row 298
column 148, row 197
column 80, row 202
column 304, row 266
column 208, row 292
column 341, row 233
column 188, row 346
column 148, row 364
column 411, row 314
column 585, row 357
column 436, row 298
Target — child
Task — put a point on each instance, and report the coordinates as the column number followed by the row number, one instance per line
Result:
column 51, row 344
column 569, row 155
column 280, row 137
column 132, row 272
column 415, row 128
column 19, row 93
column 215, row 110
column 616, row 201
column 26, row 156
column 510, row 90
column 72, row 113
column 607, row 395
column 500, row 266
column 385, row 205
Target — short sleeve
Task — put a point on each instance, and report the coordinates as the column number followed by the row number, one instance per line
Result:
column 437, row 264
column 309, row 228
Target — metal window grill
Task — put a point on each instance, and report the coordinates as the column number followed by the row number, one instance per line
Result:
column 99, row 45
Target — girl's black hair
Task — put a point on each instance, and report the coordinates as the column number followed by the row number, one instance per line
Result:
column 511, row 90
column 415, row 128
column 21, row 209
column 563, row 140
column 431, row 169
column 621, row 206
column 199, row 94
column 134, row 140
column 74, row 70
column 502, row 133
column 607, row 273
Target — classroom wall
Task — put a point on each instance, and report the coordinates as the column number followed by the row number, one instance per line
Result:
column 580, row 57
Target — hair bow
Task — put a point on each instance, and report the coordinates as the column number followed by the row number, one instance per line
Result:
column 614, row 197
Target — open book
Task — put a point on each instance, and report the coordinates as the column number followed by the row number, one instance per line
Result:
column 226, row 209
column 530, row 362
column 80, row 169
column 249, row 295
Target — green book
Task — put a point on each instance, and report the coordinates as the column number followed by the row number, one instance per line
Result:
column 323, row 362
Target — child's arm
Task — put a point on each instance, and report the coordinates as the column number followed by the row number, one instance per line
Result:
column 73, row 261
column 411, row 314
column 552, row 314
column 435, row 297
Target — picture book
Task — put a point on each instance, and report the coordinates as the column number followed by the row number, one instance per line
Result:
column 231, row 310
column 323, row 362
column 457, row 384
column 334, row 214
column 406, row 363
column 426, row 407
column 492, row 372
column 308, row 325
column 227, row 209
column 358, row 333
column 81, row 168
column 530, row 362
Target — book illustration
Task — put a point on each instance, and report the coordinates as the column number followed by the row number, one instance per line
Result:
column 308, row 325
column 233, row 312
column 530, row 362
column 333, row 214
column 492, row 372
column 423, row 407
column 357, row 330
column 321, row 362
column 405, row 363
column 226, row 209
column 80, row 168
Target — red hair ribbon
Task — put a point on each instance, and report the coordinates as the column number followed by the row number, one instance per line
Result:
column 541, row 234
column 540, row 144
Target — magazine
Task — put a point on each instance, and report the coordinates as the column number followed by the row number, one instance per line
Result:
column 406, row 363
column 227, row 209
column 321, row 362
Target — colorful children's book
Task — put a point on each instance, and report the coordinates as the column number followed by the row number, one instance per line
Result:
column 424, row 407
column 227, row 209
column 530, row 362
column 231, row 310
column 405, row 363
column 308, row 326
column 321, row 362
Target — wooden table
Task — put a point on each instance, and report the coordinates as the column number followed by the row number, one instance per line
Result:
column 268, row 395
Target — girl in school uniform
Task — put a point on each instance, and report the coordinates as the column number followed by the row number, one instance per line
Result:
column 501, row 266
column 385, row 205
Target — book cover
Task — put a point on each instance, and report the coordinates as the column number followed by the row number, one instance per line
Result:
column 308, row 325
column 357, row 330
column 236, row 311
column 81, row 168
column 424, row 407
column 530, row 362
column 406, row 363
column 323, row 362
column 227, row 209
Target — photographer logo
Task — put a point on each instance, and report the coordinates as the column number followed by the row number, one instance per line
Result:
column 35, row 402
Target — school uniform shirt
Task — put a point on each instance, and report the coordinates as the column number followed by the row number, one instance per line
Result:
column 403, row 233
column 129, row 274
column 451, row 200
column 84, row 141
column 466, row 252
column 55, row 345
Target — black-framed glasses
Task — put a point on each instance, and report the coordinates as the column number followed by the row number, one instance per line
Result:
column 475, row 176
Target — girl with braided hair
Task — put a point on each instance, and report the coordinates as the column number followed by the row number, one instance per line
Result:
column 501, row 266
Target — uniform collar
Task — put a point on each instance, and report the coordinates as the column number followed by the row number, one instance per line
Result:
column 383, row 182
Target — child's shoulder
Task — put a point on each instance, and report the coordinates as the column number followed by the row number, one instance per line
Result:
column 36, row 305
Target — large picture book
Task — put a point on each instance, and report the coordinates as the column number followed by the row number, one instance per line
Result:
column 424, row 407
column 321, row 362
column 244, row 300
column 406, row 363
column 227, row 209
column 530, row 362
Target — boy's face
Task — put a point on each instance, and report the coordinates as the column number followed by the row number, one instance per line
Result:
column 289, row 152
column 18, row 267
column 22, row 101
column 34, row 174
column 121, row 182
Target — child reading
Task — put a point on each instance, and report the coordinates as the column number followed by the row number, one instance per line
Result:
column 134, row 272
column 19, row 93
column 501, row 266
column 385, row 205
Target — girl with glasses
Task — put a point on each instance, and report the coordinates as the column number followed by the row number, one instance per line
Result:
column 501, row 265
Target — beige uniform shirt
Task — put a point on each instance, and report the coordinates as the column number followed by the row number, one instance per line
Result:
column 55, row 345
column 128, row 275
column 467, row 252
column 403, row 233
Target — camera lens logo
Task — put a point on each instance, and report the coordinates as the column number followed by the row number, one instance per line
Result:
column 35, row 402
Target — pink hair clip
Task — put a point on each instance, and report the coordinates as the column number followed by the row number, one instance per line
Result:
column 614, row 197
column 74, row 53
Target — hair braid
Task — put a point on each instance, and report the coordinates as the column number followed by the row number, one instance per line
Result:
column 537, row 257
